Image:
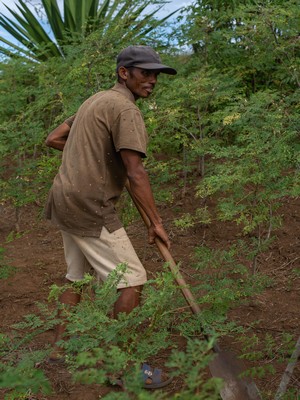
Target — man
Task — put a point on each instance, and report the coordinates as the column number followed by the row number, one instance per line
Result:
column 103, row 146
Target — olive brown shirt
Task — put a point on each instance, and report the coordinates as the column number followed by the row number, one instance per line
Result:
column 92, row 175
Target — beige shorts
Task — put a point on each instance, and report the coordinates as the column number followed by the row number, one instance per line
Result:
column 103, row 254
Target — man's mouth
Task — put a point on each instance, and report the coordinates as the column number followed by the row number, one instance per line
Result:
column 149, row 89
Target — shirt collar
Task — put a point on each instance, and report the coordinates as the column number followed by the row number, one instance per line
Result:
column 123, row 90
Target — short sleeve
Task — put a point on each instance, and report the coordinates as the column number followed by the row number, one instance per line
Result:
column 69, row 121
column 129, row 131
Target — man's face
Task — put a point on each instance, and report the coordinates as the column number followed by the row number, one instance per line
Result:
column 140, row 81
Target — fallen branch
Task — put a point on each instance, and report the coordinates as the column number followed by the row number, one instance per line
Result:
column 288, row 372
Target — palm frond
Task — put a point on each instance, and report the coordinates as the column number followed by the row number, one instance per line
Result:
column 18, row 49
column 102, row 12
column 112, row 10
column 157, row 23
column 21, row 36
column 80, row 18
column 29, row 32
column 55, row 19
column 69, row 20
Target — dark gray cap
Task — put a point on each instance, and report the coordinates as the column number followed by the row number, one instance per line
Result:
column 142, row 57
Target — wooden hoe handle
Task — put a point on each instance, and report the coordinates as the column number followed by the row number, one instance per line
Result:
column 166, row 255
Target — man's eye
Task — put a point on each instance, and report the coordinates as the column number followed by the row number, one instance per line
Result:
column 148, row 73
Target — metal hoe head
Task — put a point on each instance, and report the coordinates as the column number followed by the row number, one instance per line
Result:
column 226, row 366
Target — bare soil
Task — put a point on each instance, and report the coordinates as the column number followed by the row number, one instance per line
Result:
column 37, row 253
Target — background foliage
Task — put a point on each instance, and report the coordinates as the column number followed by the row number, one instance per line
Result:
column 227, row 123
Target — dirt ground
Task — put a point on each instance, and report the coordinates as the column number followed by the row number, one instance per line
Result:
column 37, row 253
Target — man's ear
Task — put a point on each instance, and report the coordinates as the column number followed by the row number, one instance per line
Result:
column 123, row 73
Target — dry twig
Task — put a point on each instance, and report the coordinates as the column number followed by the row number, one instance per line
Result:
column 288, row 372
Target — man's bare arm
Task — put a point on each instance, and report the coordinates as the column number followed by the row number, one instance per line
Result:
column 141, row 190
column 58, row 137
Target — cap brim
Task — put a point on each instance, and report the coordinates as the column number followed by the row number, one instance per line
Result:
column 162, row 68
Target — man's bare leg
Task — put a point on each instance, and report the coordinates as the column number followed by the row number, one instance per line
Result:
column 69, row 297
column 128, row 299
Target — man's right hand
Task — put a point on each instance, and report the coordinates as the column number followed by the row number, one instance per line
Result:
column 158, row 231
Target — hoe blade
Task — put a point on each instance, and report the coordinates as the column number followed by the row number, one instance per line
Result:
column 226, row 366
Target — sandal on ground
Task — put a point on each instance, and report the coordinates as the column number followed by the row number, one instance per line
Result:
column 152, row 378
